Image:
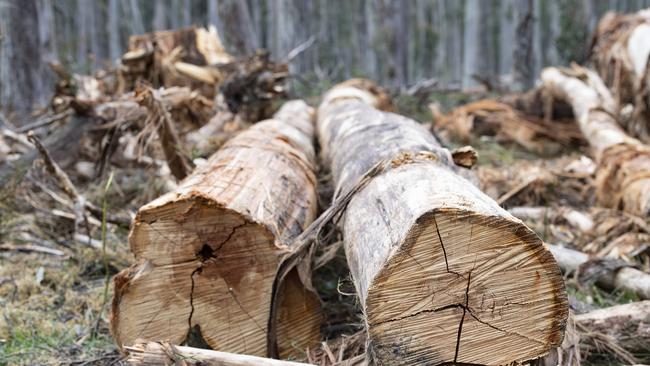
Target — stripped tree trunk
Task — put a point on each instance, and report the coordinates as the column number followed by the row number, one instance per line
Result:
column 443, row 273
column 208, row 252
column 623, row 173
column 620, row 53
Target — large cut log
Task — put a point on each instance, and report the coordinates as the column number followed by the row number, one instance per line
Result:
column 443, row 273
column 623, row 173
column 628, row 324
column 619, row 53
column 157, row 353
column 208, row 252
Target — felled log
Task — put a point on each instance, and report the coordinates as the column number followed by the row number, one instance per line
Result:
column 443, row 273
column 208, row 252
column 623, row 173
column 619, row 53
column 164, row 353
column 619, row 277
column 627, row 324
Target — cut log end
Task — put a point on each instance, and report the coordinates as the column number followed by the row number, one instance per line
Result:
column 209, row 252
column 489, row 283
column 298, row 324
column 210, row 267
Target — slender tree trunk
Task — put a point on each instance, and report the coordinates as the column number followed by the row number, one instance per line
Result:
column 213, row 12
column 23, row 76
column 523, row 52
column 113, row 30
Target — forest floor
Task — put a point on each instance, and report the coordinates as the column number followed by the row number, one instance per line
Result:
column 55, row 307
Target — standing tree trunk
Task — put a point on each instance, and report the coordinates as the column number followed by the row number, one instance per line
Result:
column 113, row 29
column 25, row 81
column 442, row 272
column 236, row 27
column 208, row 252
column 623, row 174
column 523, row 52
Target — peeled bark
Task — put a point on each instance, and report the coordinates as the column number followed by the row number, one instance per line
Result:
column 443, row 274
column 208, row 252
column 623, row 173
column 154, row 354
column 620, row 52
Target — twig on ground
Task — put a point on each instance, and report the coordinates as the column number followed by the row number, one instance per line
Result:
column 64, row 181
column 45, row 121
column 28, row 248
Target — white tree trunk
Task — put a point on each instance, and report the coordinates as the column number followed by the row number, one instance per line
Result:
column 442, row 272
column 623, row 174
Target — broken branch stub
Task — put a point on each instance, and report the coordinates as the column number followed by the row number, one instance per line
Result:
column 208, row 252
column 442, row 272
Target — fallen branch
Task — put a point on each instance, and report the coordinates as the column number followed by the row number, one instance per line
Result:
column 46, row 121
column 64, row 181
column 164, row 353
column 159, row 115
column 27, row 248
column 622, row 277
column 575, row 218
